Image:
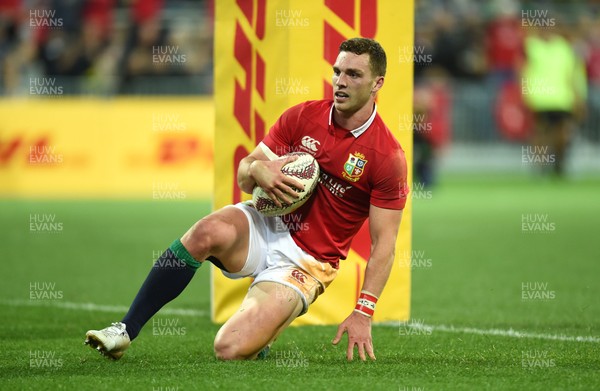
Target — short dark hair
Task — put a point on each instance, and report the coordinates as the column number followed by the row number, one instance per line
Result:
column 377, row 58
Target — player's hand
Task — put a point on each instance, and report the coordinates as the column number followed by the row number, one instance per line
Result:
column 278, row 186
column 358, row 328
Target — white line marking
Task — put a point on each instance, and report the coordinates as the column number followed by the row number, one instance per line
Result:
column 96, row 307
column 418, row 326
column 495, row 332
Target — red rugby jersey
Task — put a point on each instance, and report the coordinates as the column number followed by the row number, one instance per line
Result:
column 358, row 168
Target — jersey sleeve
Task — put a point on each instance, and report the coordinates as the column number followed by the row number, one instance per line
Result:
column 281, row 136
column 390, row 189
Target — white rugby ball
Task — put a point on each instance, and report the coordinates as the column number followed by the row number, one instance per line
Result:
column 305, row 170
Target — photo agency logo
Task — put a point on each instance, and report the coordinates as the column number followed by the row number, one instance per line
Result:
column 411, row 388
column 414, row 327
column 291, row 18
column 285, row 293
column 167, row 191
column 44, row 223
column 167, row 327
column 280, row 151
column 415, row 259
column 537, row 18
column 290, row 359
column 290, row 86
column 291, row 222
column 415, row 54
column 45, row 86
column 44, row 359
column 168, row 122
column 419, row 191
column 44, row 291
column 165, row 388
column 44, row 19
column 168, row 262
column 536, row 359
column 537, row 155
column 536, row 291
column 537, row 86
column 168, row 54
column 537, row 223
column 416, row 123
column 44, row 155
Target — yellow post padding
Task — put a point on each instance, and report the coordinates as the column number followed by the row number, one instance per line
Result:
column 270, row 55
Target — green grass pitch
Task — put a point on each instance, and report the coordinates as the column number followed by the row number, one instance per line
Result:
column 491, row 253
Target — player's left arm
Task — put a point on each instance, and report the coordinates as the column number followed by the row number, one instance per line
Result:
column 383, row 226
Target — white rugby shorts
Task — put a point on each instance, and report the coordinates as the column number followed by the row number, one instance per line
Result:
column 274, row 256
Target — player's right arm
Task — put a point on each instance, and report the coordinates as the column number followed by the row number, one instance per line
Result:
column 257, row 169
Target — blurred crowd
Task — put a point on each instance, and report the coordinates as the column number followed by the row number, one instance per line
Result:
column 99, row 39
column 472, row 40
column 516, row 70
column 535, row 61
column 102, row 46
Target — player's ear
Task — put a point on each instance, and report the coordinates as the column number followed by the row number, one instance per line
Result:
column 377, row 84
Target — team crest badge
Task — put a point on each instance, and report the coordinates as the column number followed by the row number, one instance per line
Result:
column 354, row 166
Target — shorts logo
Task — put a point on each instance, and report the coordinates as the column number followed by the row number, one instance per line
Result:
column 298, row 276
column 310, row 143
column 354, row 166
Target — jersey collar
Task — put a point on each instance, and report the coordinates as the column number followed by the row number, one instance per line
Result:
column 362, row 128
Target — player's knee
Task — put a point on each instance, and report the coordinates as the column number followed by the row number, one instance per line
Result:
column 204, row 236
column 230, row 350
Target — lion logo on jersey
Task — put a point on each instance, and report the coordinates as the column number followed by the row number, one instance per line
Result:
column 354, row 166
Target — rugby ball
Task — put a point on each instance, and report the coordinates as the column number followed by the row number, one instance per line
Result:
column 305, row 170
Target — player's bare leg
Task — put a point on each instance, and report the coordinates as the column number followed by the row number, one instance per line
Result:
column 223, row 234
column 267, row 309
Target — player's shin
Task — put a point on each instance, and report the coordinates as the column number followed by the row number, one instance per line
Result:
column 169, row 276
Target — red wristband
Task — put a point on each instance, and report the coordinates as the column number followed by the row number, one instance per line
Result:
column 366, row 303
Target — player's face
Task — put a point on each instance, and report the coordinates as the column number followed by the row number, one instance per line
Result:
column 354, row 85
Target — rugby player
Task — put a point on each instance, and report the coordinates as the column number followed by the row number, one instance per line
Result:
column 363, row 174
